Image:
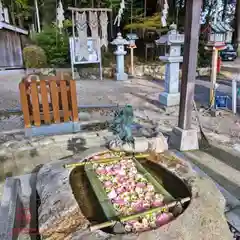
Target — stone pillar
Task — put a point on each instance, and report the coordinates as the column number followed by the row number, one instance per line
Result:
column 120, row 53
column 173, row 40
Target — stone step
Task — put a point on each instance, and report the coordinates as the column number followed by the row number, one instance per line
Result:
column 232, row 210
column 224, row 173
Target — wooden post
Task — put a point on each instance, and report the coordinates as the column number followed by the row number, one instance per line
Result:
column 132, row 59
column 192, row 27
column 183, row 137
column 213, row 76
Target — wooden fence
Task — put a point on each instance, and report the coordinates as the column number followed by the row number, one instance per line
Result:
column 48, row 101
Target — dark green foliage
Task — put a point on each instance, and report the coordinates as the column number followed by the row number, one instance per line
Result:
column 108, row 58
column 204, row 56
column 34, row 57
column 121, row 125
column 55, row 45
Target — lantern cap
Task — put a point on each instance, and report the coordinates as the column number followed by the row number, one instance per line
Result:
column 119, row 40
column 132, row 36
column 173, row 26
column 220, row 27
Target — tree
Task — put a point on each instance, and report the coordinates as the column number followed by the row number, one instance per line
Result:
column 237, row 25
column 20, row 11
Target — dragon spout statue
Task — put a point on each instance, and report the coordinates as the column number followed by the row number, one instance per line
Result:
column 122, row 127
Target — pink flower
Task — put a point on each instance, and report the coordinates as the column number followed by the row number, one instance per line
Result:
column 137, row 206
column 120, row 190
column 150, row 187
column 140, row 185
column 100, row 171
column 119, row 201
column 157, row 203
column 146, row 205
column 112, row 194
column 164, row 218
column 108, row 184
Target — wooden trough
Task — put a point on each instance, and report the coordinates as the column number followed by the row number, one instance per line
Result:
column 49, row 105
column 111, row 214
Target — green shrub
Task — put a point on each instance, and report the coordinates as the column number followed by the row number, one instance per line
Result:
column 55, row 45
column 34, row 57
column 108, row 58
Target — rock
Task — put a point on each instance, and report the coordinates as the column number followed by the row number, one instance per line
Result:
column 93, row 77
column 236, row 147
column 84, row 116
column 138, row 71
column 157, row 144
column 59, row 214
column 203, row 71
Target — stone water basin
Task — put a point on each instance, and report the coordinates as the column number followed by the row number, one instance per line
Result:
column 98, row 198
column 69, row 206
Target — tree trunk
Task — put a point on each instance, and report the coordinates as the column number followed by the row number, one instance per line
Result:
column 12, row 14
column 237, row 24
column 19, row 18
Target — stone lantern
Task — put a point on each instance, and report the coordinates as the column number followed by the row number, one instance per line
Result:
column 219, row 34
column 120, row 53
column 132, row 37
column 172, row 42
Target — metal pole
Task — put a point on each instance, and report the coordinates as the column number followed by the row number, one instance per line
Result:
column 192, row 27
column 234, row 96
column 37, row 15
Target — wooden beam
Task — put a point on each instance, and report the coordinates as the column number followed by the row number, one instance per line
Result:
column 90, row 9
column 191, row 31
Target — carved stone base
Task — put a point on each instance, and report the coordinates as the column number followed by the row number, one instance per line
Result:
column 169, row 99
column 121, row 76
column 142, row 144
column 184, row 140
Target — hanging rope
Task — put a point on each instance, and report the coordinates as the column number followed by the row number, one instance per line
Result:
column 60, row 15
column 120, row 13
column 165, row 13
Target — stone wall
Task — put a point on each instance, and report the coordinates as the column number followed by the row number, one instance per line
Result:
column 153, row 71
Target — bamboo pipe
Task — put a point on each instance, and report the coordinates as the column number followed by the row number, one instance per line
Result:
column 128, row 218
column 104, row 160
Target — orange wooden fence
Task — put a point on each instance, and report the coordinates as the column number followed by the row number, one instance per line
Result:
column 48, row 101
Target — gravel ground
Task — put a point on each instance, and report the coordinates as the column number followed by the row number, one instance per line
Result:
column 141, row 94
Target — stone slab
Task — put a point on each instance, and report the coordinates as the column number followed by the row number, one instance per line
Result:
column 61, row 128
column 18, row 212
column 184, row 140
column 8, row 208
column 169, row 99
column 233, row 217
column 231, row 201
column 232, row 208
